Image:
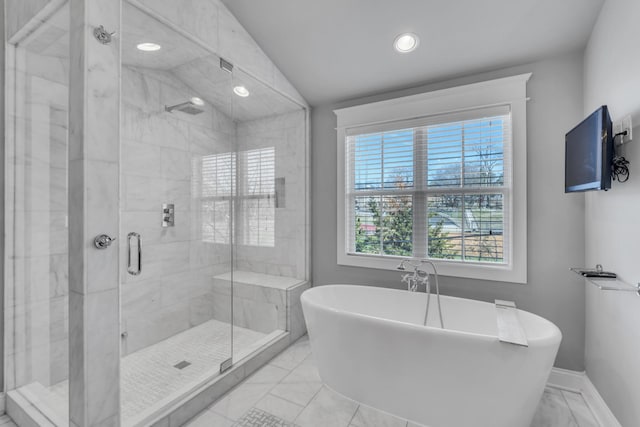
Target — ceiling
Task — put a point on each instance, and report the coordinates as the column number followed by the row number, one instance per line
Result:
column 334, row 50
column 183, row 59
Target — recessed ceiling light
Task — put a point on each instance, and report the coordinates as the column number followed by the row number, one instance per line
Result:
column 197, row 101
column 241, row 91
column 406, row 42
column 149, row 47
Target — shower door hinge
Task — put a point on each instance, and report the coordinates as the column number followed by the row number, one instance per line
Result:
column 226, row 365
column 226, row 65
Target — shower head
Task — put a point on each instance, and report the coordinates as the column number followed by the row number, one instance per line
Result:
column 192, row 106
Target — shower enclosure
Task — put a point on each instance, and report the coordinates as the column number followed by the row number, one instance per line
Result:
column 156, row 213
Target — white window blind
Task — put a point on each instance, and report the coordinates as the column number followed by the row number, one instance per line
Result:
column 218, row 180
column 257, row 197
column 437, row 187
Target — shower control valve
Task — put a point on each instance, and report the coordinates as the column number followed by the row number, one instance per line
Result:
column 168, row 215
column 103, row 241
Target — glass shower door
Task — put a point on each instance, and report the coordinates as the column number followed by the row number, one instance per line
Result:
column 178, row 181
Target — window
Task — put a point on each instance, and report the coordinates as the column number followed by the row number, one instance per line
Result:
column 255, row 198
column 417, row 182
column 218, row 185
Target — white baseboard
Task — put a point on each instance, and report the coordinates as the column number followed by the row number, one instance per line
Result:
column 579, row 382
column 566, row 379
column 598, row 405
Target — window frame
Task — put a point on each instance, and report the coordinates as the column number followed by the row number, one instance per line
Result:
column 510, row 91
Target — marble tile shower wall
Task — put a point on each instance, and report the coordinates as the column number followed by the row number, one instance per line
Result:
column 286, row 134
column 40, row 252
column 161, row 162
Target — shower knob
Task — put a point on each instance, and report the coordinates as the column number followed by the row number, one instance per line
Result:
column 103, row 241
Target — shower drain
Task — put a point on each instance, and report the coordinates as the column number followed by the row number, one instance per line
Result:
column 182, row 365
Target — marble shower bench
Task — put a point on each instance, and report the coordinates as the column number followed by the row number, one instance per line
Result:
column 261, row 302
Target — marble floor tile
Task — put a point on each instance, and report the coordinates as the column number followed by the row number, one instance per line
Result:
column 279, row 407
column 580, row 409
column 366, row 417
column 209, row 419
column 292, row 392
column 269, row 374
column 327, row 409
column 307, row 370
column 294, row 355
column 241, row 399
column 553, row 411
column 295, row 388
column 259, row 418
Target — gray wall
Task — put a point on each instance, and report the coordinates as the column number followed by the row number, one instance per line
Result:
column 611, row 65
column 555, row 220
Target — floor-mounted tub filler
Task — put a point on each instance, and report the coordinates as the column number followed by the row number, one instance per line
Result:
column 371, row 346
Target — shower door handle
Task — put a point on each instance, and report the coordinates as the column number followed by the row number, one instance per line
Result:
column 130, row 237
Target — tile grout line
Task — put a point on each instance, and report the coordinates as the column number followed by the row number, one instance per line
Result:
column 584, row 402
column 209, row 409
column 354, row 415
column 294, row 367
column 262, row 396
column 593, row 415
column 285, row 399
column 309, row 403
column 268, row 392
column 566, row 402
column 281, row 382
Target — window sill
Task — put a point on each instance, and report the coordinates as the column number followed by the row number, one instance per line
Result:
column 498, row 273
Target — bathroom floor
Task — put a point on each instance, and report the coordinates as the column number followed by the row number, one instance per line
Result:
column 153, row 376
column 289, row 392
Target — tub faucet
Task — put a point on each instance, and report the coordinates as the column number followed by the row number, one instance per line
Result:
column 421, row 277
column 413, row 280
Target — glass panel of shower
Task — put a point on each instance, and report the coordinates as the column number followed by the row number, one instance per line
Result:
column 270, row 256
column 210, row 186
column 213, row 214
column 36, row 245
column 177, row 176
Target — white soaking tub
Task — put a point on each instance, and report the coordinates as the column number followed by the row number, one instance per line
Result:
column 370, row 345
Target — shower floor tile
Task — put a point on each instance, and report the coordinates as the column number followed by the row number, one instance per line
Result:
column 150, row 375
column 155, row 375
column 300, row 399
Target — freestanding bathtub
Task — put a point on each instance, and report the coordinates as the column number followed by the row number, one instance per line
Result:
column 370, row 345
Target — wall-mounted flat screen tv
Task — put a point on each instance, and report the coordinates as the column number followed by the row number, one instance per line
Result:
column 589, row 153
